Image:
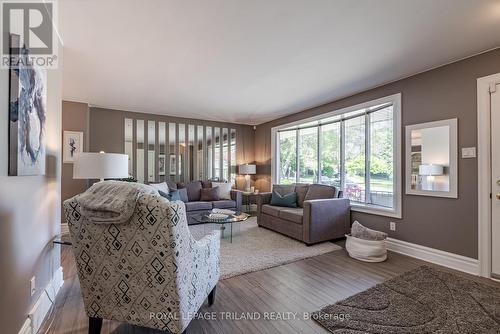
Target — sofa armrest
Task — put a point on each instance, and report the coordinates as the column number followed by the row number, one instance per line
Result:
column 326, row 219
column 263, row 198
column 237, row 196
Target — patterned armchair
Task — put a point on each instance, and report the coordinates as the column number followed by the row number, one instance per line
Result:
column 149, row 271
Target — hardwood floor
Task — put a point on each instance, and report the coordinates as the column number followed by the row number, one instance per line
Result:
column 302, row 286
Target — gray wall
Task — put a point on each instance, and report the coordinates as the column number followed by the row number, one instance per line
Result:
column 445, row 92
column 74, row 118
column 107, row 132
column 29, row 214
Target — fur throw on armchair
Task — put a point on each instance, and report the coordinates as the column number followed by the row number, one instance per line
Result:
column 111, row 202
column 362, row 232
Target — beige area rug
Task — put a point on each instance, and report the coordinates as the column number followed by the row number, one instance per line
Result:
column 255, row 248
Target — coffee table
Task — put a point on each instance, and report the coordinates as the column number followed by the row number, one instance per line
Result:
column 238, row 217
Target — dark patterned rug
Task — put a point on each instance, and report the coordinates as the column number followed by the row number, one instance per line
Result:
column 424, row 300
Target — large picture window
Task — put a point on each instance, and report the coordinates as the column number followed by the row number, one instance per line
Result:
column 355, row 149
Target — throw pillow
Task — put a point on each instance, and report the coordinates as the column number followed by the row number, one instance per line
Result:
column 171, row 196
column 224, row 189
column 284, row 189
column 288, row 200
column 183, row 195
column 160, row 187
column 210, row 194
column 193, row 190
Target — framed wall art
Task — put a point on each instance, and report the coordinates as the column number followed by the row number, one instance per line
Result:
column 72, row 145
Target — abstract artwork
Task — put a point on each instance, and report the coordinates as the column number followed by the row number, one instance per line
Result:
column 161, row 164
column 172, row 164
column 27, row 115
column 72, row 145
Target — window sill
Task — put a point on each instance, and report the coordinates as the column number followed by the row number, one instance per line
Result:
column 375, row 210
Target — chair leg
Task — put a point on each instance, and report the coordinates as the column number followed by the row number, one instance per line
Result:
column 95, row 325
column 211, row 296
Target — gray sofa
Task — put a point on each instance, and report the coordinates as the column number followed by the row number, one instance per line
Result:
column 320, row 215
column 195, row 207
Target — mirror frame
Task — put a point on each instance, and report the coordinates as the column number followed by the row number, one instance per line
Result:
column 453, row 125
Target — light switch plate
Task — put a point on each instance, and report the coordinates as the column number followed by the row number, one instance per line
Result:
column 468, row 152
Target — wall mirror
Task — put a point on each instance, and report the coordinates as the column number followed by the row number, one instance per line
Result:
column 217, row 154
column 129, row 146
column 200, row 144
column 181, row 157
column 190, row 154
column 172, row 170
column 210, row 153
column 431, row 159
column 140, row 151
column 151, row 151
column 162, row 150
column 180, row 152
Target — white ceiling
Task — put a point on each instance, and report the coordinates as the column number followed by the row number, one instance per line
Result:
column 251, row 61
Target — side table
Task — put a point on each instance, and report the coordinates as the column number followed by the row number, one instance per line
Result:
column 249, row 198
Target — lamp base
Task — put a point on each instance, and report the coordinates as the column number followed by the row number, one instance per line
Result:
column 247, row 183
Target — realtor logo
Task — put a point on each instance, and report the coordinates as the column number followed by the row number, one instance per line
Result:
column 32, row 24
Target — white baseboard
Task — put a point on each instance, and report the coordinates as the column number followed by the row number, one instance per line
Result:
column 26, row 329
column 43, row 304
column 436, row 256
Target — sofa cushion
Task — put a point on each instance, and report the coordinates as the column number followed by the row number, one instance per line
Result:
column 193, row 189
column 294, row 215
column 288, row 200
column 301, row 190
column 271, row 210
column 320, row 191
column 283, row 189
column 224, row 204
column 196, row 206
column 209, row 194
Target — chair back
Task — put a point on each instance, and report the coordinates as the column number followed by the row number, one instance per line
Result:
column 132, row 270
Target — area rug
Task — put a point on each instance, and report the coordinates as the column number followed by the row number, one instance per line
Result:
column 424, row 300
column 255, row 248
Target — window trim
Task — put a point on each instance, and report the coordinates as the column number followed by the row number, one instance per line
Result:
column 395, row 99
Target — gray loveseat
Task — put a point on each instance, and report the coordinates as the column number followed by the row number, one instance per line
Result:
column 320, row 215
column 195, row 207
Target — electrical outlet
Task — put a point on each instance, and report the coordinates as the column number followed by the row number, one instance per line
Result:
column 392, row 226
column 33, row 285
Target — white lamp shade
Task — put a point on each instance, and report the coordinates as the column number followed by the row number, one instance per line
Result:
column 248, row 169
column 430, row 170
column 100, row 166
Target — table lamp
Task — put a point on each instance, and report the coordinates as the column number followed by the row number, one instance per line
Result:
column 100, row 166
column 430, row 170
column 247, row 170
